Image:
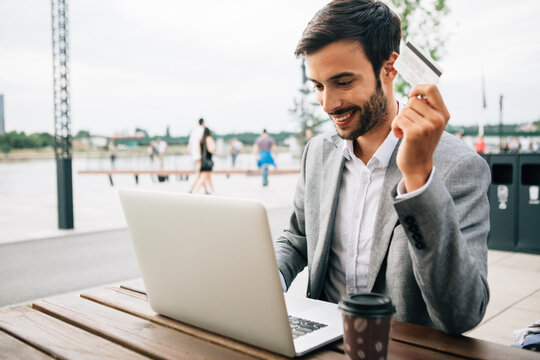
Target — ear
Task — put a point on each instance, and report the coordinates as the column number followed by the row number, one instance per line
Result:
column 388, row 72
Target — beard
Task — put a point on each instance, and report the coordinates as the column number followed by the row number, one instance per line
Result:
column 372, row 114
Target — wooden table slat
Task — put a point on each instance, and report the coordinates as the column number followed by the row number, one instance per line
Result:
column 464, row 346
column 400, row 351
column 145, row 337
column 136, row 285
column 56, row 338
column 10, row 345
column 136, row 304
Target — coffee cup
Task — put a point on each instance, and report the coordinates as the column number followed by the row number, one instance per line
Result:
column 366, row 325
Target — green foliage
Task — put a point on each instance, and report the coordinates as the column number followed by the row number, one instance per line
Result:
column 492, row 130
column 19, row 140
column 142, row 131
column 83, row 134
column 420, row 23
column 306, row 110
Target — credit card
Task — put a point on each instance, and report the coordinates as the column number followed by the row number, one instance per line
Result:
column 416, row 67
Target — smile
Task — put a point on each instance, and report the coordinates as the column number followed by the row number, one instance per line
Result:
column 345, row 119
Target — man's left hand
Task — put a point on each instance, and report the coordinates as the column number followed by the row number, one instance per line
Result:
column 420, row 124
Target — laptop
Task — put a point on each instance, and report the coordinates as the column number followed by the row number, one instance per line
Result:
column 209, row 262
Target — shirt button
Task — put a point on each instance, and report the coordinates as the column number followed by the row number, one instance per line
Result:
column 365, row 180
column 351, row 253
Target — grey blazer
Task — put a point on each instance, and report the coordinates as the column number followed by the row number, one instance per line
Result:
column 429, row 252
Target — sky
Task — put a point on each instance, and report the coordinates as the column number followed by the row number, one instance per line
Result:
column 144, row 64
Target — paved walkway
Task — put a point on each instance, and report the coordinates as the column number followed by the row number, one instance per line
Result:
column 38, row 260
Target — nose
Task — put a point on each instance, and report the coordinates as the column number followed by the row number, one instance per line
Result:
column 329, row 101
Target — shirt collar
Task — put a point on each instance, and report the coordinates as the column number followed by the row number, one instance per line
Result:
column 382, row 155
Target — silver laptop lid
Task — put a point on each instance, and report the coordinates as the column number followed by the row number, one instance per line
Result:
column 209, row 262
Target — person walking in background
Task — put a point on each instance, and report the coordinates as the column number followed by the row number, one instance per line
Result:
column 534, row 146
column 235, row 148
column 264, row 145
column 514, row 146
column 480, row 145
column 525, row 145
column 207, row 147
column 161, row 150
column 153, row 152
column 113, row 151
column 194, row 144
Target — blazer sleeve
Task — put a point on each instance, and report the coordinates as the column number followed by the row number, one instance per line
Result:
column 291, row 246
column 447, row 227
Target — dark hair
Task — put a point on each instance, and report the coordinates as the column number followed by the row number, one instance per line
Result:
column 201, row 120
column 370, row 22
column 206, row 134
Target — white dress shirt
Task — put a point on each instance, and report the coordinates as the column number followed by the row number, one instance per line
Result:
column 359, row 196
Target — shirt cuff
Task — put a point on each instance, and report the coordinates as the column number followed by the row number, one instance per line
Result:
column 283, row 283
column 402, row 191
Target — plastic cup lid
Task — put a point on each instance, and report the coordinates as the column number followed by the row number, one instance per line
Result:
column 366, row 305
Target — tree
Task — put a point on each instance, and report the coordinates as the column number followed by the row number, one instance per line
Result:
column 83, row 134
column 306, row 110
column 142, row 131
column 420, row 23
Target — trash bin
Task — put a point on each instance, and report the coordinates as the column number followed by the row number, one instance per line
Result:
column 529, row 203
column 503, row 201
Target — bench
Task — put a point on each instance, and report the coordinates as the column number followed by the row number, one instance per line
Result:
column 163, row 174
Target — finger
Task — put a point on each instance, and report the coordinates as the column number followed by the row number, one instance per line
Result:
column 396, row 129
column 427, row 91
column 419, row 107
column 412, row 114
column 430, row 93
column 404, row 125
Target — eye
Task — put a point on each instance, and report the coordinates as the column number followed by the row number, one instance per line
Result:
column 318, row 86
column 344, row 83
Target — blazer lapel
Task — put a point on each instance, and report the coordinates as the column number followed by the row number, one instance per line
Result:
column 332, row 169
column 386, row 221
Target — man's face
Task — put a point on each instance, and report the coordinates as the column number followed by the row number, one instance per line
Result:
column 347, row 88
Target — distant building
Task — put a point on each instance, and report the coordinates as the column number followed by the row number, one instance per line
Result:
column 2, row 124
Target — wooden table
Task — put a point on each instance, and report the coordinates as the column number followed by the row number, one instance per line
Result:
column 118, row 323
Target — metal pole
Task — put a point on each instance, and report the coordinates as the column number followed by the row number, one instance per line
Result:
column 62, row 121
column 501, row 123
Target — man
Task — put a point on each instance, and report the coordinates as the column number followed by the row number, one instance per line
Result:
column 264, row 146
column 113, row 151
column 194, row 144
column 480, row 145
column 162, row 150
column 235, row 148
column 387, row 203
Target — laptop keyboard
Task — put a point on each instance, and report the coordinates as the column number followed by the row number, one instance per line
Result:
column 301, row 327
